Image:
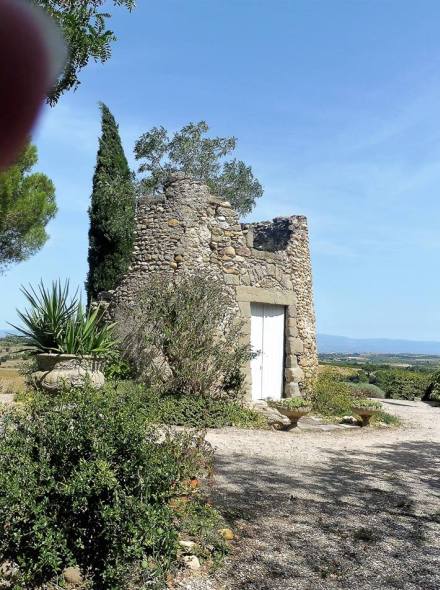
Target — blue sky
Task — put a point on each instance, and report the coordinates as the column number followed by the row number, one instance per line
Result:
column 336, row 105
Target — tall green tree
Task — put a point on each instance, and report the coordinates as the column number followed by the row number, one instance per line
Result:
column 111, row 212
column 201, row 157
column 27, row 204
column 84, row 26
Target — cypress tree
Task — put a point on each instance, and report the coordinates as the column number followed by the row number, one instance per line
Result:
column 111, row 212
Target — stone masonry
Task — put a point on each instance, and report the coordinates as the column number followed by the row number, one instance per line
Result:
column 188, row 230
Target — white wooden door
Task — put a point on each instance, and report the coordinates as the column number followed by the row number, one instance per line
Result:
column 267, row 337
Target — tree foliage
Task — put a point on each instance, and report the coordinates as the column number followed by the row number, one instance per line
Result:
column 189, row 151
column 182, row 337
column 84, row 26
column 27, row 204
column 111, row 212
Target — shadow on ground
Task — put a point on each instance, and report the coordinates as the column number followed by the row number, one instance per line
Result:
column 355, row 519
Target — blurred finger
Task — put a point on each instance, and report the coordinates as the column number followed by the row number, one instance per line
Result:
column 30, row 58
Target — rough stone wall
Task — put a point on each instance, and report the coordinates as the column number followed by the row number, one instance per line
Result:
column 289, row 237
column 189, row 230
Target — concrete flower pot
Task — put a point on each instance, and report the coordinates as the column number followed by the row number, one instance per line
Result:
column 365, row 414
column 56, row 371
column 293, row 414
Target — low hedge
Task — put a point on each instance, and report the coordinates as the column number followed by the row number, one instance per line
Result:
column 401, row 383
column 193, row 410
column 86, row 481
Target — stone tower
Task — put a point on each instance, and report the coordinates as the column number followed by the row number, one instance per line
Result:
column 265, row 263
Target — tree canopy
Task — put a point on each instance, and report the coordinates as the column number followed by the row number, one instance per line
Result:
column 111, row 212
column 84, row 26
column 27, row 204
column 203, row 158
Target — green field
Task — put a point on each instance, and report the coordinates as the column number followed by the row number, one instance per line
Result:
column 419, row 361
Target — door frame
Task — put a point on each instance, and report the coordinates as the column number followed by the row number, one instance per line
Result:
column 263, row 356
column 292, row 344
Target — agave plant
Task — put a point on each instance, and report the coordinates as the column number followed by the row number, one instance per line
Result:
column 45, row 322
column 86, row 334
column 58, row 323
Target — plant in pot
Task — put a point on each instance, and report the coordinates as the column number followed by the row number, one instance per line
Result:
column 365, row 408
column 70, row 344
column 293, row 407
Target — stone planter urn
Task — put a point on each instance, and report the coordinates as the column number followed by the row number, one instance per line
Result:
column 365, row 414
column 294, row 414
column 56, row 371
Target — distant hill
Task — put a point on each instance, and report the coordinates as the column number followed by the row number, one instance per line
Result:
column 328, row 343
column 10, row 332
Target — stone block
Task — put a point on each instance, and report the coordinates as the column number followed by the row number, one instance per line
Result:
column 291, row 311
column 292, row 390
column 294, row 345
column 229, row 251
column 231, row 279
column 291, row 361
column 291, row 330
column 294, row 374
column 243, row 251
column 246, row 328
column 245, row 308
column 173, row 222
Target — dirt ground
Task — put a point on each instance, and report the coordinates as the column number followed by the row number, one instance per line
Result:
column 313, row 510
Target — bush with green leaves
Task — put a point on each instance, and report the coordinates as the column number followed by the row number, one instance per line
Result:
column 330, row 395
column 291, row 403
column 183, row 337
column 117, row 368
column 194, row 411
column 366, row 389
column 84, row 481
column 432, row 390
column 366, row 404
column 358, row 376
column 333, row 398
column 402, row 383
column 56, row 322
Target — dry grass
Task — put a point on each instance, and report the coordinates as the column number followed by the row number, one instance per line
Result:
column 10, row 380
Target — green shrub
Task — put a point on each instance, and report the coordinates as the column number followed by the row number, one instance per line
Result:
column 184, row 337
column 382, row 417
column 432, row 391
column 358, row 376
column 201, row 523
column 366, row 404
column 195, row 411
column 330, row 396
column 291, row 403
column 402, row 383
column 84, row 481
column 117, row 368
column 366, row 390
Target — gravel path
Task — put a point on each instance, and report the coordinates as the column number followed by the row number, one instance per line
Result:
column 356, row 508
